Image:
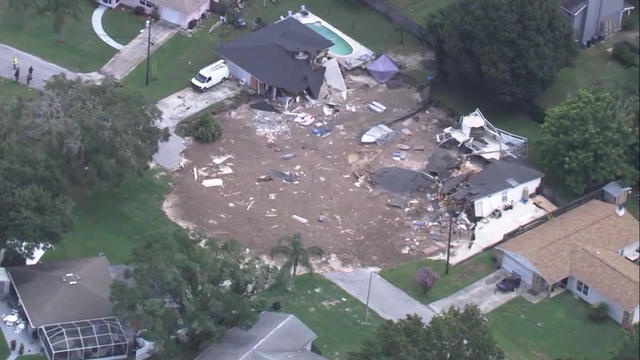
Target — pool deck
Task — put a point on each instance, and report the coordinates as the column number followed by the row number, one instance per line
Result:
column 360, row 55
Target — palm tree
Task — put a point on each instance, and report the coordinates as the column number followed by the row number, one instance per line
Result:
column 295, row 254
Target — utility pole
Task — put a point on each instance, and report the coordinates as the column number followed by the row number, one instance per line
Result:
column 446, row 269
column 148, row 49
column 366, row 311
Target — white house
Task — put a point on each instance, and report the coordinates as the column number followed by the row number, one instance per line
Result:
column 501, row 183
column 585, row 250
column 179, row 12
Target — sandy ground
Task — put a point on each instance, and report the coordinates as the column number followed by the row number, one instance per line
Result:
column 345, row 216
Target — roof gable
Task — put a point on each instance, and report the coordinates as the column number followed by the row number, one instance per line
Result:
column 500, row 175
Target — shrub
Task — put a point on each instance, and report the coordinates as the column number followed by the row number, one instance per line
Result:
column 13, row 345
column 205, row 129
column 276, row 306
column 623, row 53
column 138, row 10
column 425, row 278
column 629, row 22
column 599, row 311
column 155, row 14
column 21, row 349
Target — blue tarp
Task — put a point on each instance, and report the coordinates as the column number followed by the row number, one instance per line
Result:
column 382, row 69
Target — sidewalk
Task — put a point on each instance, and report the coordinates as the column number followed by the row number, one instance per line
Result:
column 42, row 69
column 385, row 299
column 132, row 54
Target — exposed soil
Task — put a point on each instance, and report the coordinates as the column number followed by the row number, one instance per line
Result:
column 345, row 215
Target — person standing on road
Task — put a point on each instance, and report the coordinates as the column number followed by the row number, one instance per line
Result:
column 17, row 74
column 30, row 75
column 14, row 61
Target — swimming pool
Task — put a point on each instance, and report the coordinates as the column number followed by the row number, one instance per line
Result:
column 340, row 46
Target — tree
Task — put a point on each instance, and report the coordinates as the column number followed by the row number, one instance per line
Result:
column 460, row 335
column 26, row 8
column 514, row 47
column 591, row 139
column 102, row 131
column 187, row 290
column 425, row 278
column 62, row 11
column 35, row 206
column 295, row 255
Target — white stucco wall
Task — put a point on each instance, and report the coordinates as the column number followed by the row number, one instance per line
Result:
column 485, row 205
column 238, row 73
column 636, row 315
column 616, row 312
column 513, row 262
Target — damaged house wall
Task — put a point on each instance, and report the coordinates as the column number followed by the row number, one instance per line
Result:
column 485, row 205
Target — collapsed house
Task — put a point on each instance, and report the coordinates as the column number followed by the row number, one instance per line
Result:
column 283, row 59
column 476, row 134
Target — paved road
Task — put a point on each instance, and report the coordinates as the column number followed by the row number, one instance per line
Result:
column 42, row 69
column 180, row 105
column 482, row 293
column 135, row 51
column 385, row 299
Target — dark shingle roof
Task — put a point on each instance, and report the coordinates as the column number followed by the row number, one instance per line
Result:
column 273, row 336
column 573, row 6
column 269, row 55
column 498, row 176
column 47, row 299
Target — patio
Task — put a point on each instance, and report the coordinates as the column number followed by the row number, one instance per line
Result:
column 31, row 345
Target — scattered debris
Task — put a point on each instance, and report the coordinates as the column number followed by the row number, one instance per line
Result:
column 400, row 180
column 352, row 159
column 285, row 176
column 265, row 178
column 399, row 155
column 403, row 147
column 212, row 182
column 304, row 119
column 377, row 133
column 376, row 107
column 299, row 219
column 287, row 156
column 406, row 131
column 220, row 159
column 321, row 131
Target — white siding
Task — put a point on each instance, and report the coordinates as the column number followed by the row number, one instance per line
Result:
column 636, row 315
column 616, row 312
column 511, row 263
column 238, row 73
column 485, row 205
column 173, row 16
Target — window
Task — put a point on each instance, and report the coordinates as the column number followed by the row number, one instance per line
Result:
column 146, row 3
column 505, row 196
column 583, row 288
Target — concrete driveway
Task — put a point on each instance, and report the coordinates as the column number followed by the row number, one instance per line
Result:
column 385, row 299
column 179, row 106
column 482, row 293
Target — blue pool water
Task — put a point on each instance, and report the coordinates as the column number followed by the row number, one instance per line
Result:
column 340, row 46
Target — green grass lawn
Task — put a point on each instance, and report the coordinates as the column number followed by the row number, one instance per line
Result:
column 4, row 348
column 116, row 221
column 418, row 10
column 9, row 88
column 552, row 329
column 181, row 57
column 81, row 50
column 31, row 357
column 122, row 24
column 459, row 277
column 594, row 67
column 335, row 316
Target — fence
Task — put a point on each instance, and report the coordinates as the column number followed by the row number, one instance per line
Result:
column 396, row 17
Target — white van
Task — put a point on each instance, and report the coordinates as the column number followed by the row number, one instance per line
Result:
column 210, row 75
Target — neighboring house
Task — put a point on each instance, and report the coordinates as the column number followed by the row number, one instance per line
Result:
column 499, row 184
column 585, row 250
column 592, row 19
column 275, row 336
column 178, row 12
column 66, row 303
column 280, row 59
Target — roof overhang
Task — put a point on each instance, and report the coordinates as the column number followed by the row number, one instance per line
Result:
column 576, row 12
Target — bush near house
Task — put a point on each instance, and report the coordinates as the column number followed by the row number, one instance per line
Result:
column 205, row 129
column 623, row 52
column 599, row 311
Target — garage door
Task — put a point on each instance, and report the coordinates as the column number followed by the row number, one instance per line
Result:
column 171, row 16
column 511, row 265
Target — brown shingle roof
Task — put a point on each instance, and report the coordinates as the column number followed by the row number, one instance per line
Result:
column 583, row 243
